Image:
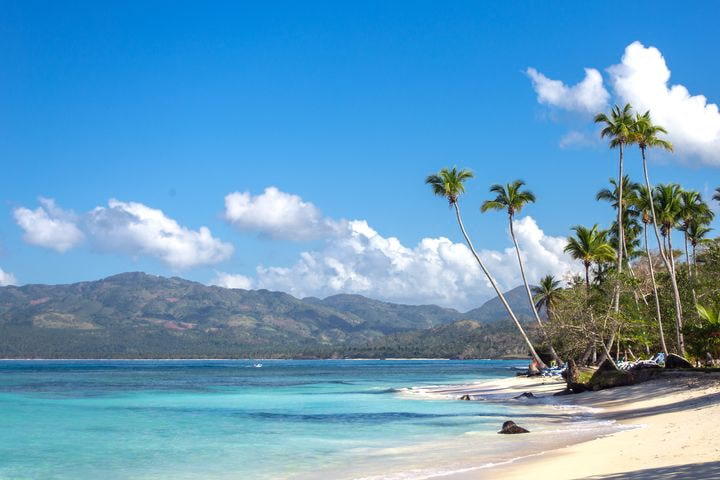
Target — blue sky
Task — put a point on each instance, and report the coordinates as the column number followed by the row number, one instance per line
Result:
column 174, row 105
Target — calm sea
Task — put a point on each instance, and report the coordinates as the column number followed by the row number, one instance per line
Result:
column 218, row 419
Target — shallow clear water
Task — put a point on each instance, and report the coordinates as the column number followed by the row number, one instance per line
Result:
column 228, row 420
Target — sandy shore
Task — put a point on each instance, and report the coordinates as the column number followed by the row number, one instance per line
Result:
column 677, row 434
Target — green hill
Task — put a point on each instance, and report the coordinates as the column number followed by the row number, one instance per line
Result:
column 135, row 315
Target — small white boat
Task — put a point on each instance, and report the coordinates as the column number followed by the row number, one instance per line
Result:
column 257, row 365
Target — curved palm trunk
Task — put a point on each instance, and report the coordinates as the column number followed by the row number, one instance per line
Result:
column 655, row 293
column 673, row 280
column 554, row 354
column 535, row 356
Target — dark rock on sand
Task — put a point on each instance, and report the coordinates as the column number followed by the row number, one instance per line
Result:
column 525, row 395
column 512, row 427
column 465, row 397
column 676, row 361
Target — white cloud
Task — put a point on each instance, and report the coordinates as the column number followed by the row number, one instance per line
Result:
column 642, row 79
column 230, row 280
column 49, row 226
column 127, row 227
column 7, row 278
column 137, row 229
column 436, row 270
column 587, row 96
column 278, row 215
column 693, row 124
column 577, row 139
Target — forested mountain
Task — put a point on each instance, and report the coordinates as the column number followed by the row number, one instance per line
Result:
column 136, row 315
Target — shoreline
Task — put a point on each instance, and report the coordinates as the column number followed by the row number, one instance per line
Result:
column 666, row 427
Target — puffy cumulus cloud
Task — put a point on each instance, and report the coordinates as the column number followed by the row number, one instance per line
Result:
column 436, row 270
column 128, row 227
column 230, row 280
column 137, row 229
column 641, row 79
column 587, row 96
column 7, row 278
column 49, row 226
column 278, row 215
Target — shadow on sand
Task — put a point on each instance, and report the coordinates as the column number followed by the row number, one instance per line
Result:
column 704, row 471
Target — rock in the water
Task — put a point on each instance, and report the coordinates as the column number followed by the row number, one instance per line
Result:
column 676, row 361
column 465, row 397
column 512, row 427
column 525, row 395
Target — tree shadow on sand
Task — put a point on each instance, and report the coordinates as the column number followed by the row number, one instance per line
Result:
column 704, row 471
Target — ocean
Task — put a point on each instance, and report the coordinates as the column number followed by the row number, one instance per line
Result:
column 234, row 419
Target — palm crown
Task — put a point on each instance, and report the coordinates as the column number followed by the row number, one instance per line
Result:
column 449, row 183
column 630, row 192
column 645, row 133
column 589, row 245
column 668, row 205
column 509, row 197
column 547, row 292
column 619, row 125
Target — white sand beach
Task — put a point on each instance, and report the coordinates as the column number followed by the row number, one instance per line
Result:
column 676, row 436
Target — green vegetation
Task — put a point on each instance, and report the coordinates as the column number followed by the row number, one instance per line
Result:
column 632, row 292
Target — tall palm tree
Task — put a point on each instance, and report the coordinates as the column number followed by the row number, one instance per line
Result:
column 547, row 294
column 450, row 184
column 589, row 245
column 512, row 198
column 668, row 200
column 693, row 211
column 618, row 127
column 643, row 205
column 646, row 135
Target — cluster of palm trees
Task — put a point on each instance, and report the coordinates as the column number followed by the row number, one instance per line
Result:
column 666, row 208
column 663, row 209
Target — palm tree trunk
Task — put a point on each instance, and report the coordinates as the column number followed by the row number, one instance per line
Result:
column 621, row 232
column 687, row 254
column 655, row 293
column 535, row 356
column 554, row 354
column 673, row 280
column 678, row 324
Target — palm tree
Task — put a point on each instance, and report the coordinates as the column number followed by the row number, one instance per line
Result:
column 619, row 127
column 693, row 212
column 668, row 200
column 589, row 245
column 696, row 233
column 629, row 226
column 646, row 136
column 512, row 198
column 547, row 294
column 643, row 205
column 450, row 184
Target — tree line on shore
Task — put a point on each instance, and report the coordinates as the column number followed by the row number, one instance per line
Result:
column 639, row 294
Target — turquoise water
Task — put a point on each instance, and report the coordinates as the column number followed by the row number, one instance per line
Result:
column 229, row 420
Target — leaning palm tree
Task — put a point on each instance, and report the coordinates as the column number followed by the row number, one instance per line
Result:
column 642, row 204
column 589, row 245
column 450, row 184
column 618, row 127
column 512, row 198
column 547, row 294
column 646, row 135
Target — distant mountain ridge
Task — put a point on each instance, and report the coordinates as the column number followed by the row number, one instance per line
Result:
column 139, row 315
